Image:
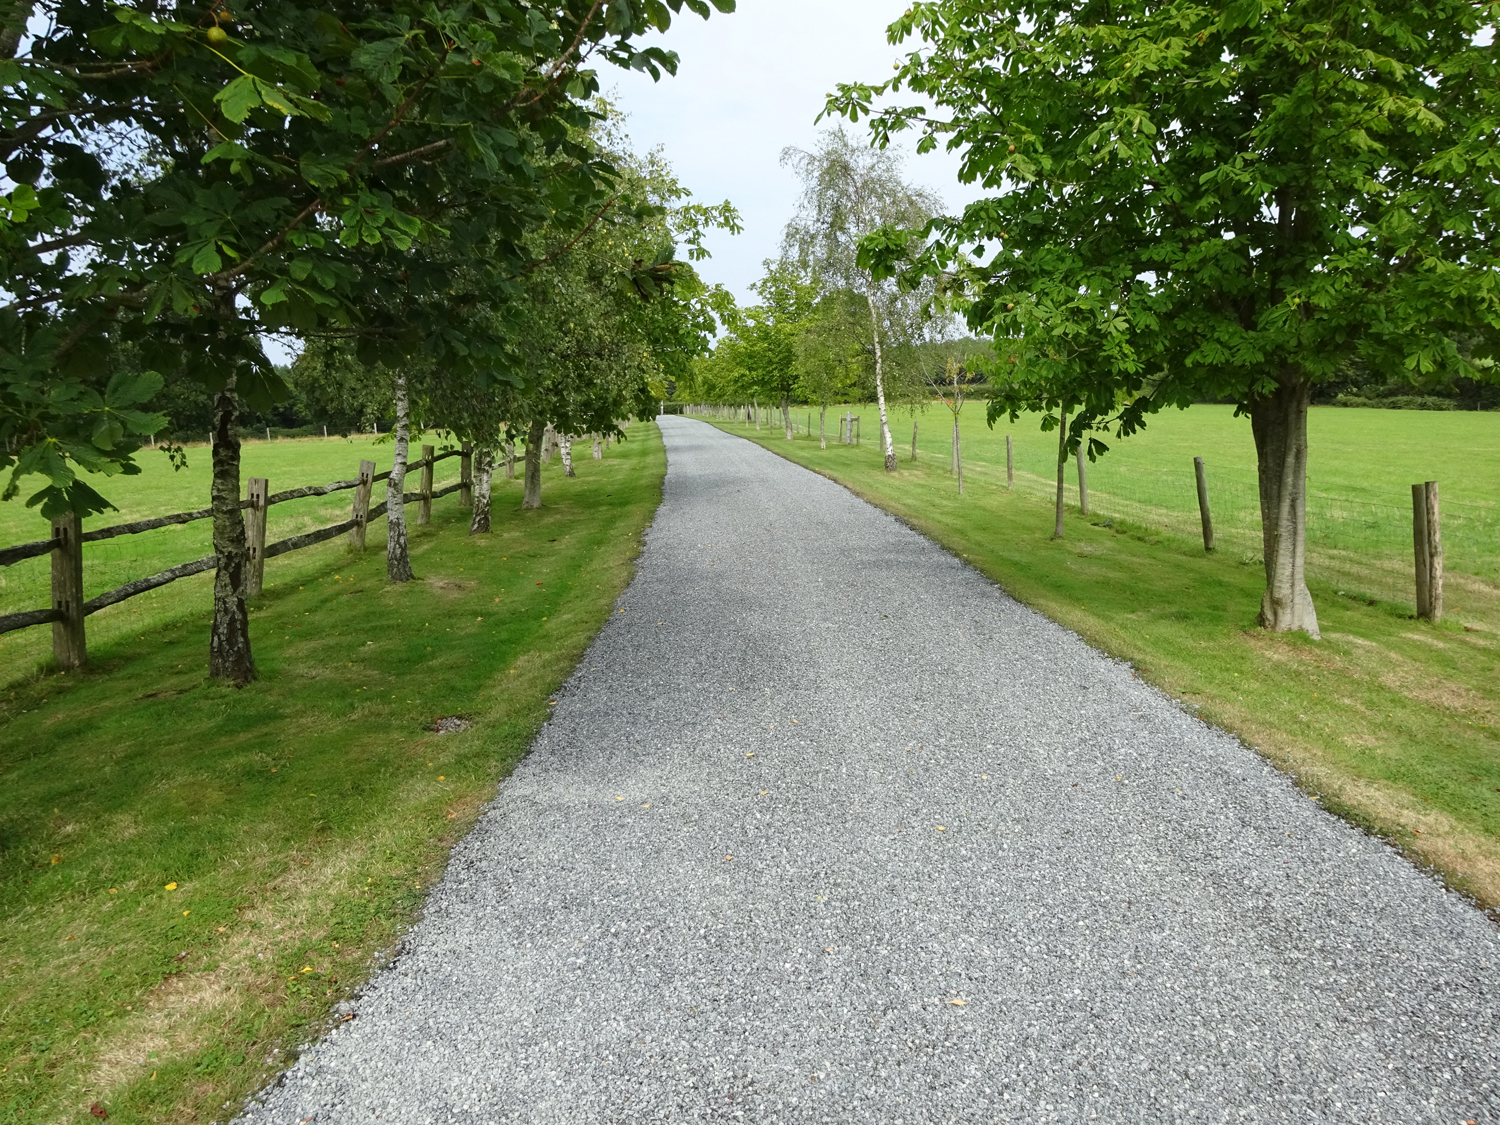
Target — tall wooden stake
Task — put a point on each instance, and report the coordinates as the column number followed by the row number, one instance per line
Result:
column 69, row 647
column 424, row 505
column 1427, row 540
column 256, row 491
column 466, row 475
column 1208, row 522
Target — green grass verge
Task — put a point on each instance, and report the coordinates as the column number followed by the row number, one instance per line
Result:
column 1390, row 721
column 1362, row 466
column 193, row 875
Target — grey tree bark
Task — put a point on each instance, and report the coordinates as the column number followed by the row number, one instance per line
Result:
column 510, row 459
column 786, row 415
column 823, row 427
column 565, row 444
column 958, row 455
column 885, row 426
column 397, row 550
column 549, row 444
column 484, row 472
column 229, row 658
column 598, row 448
column 1279, row 423
column 531, row 497
column 914, row 439
column 1062, row 464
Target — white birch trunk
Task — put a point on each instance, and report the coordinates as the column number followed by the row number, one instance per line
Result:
column 885, row 428
column 484, row 472
column 397, row 551
column 565, row 444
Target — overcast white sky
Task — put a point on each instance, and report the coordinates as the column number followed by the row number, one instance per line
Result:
column 750, row 84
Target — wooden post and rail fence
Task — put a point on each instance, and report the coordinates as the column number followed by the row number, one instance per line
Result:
column 69, row 609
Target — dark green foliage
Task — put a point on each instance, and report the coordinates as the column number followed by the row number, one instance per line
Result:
column 188, row 179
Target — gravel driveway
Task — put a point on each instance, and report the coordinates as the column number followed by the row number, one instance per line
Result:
column 827, row 828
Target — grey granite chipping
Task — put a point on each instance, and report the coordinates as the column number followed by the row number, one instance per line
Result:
column 827, row 828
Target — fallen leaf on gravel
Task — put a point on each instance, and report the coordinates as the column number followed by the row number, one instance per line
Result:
column 750, row 755
column 619, row 798
column 959, row 1003
column 940, row 828
column 727, row 858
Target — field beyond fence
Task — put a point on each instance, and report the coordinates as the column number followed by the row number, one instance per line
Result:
column 303, row 509
column 1359, row 505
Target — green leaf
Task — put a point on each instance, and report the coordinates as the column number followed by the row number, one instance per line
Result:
column 237, row 99
column 207, row 261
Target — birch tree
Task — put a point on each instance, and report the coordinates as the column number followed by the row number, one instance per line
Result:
column 848, row 193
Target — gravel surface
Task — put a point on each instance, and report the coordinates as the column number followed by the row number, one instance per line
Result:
column 827, row 828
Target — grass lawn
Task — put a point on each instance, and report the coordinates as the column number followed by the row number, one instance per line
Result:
column 1390, row 721
column 1362, row 466
column 194, row 875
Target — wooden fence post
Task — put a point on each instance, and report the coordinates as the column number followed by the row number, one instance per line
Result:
column 1083, row 481
column 1010, row 463
column 466, row 475
column 256, row 491
column 362, row 505
column 914, row 440
column 1427, row 539
column 1203, row 511
column 69, row 646
column 424, row 505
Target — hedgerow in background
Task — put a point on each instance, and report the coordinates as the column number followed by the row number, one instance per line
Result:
column 1193, row 203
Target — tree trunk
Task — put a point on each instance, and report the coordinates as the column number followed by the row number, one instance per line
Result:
column 885, row 428
column 531, row 499
column 958, row 456
column 397, row 553
column 598, row 448
column 914, row 439
column 484, row 472
column 565, row 444
column 823, row 427
column 510, row 459
column 755, row 402
column 549, row 439
column 1062, row 464
column 229, row 659
column 1279, row 423
column 786, row 415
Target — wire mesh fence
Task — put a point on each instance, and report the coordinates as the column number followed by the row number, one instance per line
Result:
column 1360, row 545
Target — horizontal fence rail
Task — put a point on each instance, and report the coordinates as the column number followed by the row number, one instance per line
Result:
column 65, row 545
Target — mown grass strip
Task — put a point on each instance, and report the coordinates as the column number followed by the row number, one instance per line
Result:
column 1392, row 722
column 194, row 875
